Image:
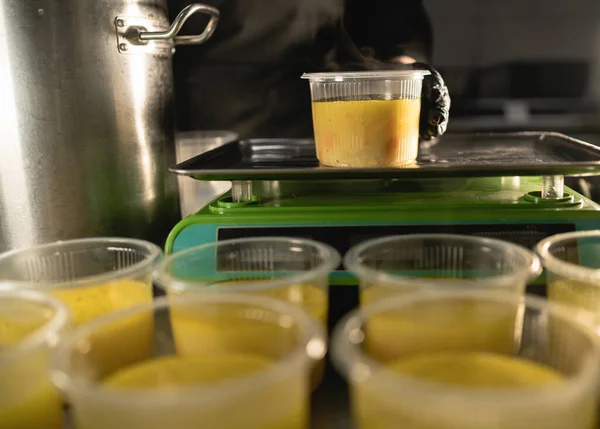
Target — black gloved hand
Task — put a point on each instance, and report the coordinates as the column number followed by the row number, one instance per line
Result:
column 435, row 101
column 435, row 104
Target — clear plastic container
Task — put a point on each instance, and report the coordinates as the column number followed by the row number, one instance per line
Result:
column 572, row 263
column 366, row 119
column 92, row 276
column 227, row 361
column 408, row 263
column 546, row 379
column 30, row 326
column 291, row 269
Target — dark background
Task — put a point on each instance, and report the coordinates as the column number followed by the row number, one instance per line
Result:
column 516, row 65
column 520, row 64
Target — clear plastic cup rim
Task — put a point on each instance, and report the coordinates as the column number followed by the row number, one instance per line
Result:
column 167, row 282
column 48, row 333
column 311, row 348
column 367, row 75
column 563, row 268
column 134, row 270
column 372, row 275
column 354, row 364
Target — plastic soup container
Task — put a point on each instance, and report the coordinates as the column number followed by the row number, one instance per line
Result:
column 92, row 276
column 415, row 262
column 290, row 269
column 547, row 379
column 572, row 263
column 224, row 361
column 366, row 119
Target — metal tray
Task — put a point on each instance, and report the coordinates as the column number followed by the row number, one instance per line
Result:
column 454, row 155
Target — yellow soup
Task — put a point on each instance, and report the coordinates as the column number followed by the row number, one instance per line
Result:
column 279, row 404
column 197, row 334
column 28, row 400
column 310, row 298
column 468, row 370
column 438, row 326
column 123, row 342
column 583, row 298
column 477, row 369
column 39, row 409
column 11, row 332
column 366, row 133
column 89, row 302
column 376, row 291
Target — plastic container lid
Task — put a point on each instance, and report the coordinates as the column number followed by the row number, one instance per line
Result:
column 372, row 75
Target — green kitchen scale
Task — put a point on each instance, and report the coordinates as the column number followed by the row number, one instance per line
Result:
column 507, row 186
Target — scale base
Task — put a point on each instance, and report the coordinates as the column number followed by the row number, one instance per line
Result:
column 343, row 213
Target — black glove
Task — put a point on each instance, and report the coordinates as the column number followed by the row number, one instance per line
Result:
column 435, row 101
column 435, row 107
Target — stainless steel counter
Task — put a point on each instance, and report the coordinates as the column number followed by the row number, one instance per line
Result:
column 194, row 194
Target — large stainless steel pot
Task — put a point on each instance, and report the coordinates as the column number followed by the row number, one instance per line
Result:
column 86, row 123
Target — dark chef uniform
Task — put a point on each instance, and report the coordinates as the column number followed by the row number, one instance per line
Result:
column 246, row 78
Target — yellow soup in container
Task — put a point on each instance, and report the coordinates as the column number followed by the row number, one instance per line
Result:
column 572, row 263
column 468, row 371
column 260, row 382
column 543, row 374
column 366, row 119
column 172, row 373
column 366, row 133
column 92, row 277
column 289, row 269
column 30, row 325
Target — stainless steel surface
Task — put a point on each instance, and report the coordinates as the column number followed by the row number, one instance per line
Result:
column 87, row 131
column 241, row 191
column 453, row 155
column 194, row 194
column 553, row 187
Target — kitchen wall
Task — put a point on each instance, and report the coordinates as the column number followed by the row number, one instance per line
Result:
column 471, row 35
column 484, row 32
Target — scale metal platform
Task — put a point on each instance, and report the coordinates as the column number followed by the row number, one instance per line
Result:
column 507, row 186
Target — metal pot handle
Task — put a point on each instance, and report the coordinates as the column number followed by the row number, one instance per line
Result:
column 178, row 22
